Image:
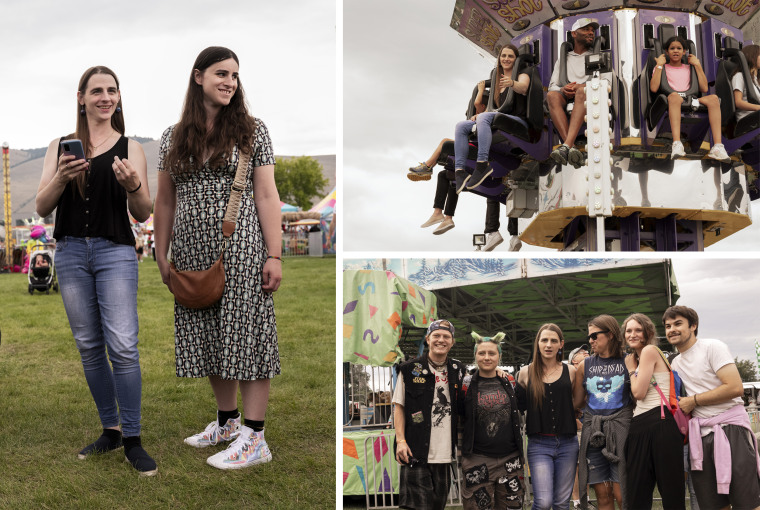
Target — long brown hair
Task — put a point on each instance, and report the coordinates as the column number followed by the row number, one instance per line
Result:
column 83, row 127
column 233, row 126
column 650, row 333
column 536, row 369
column 751, row 52
column 610, row 324
column 500, row 72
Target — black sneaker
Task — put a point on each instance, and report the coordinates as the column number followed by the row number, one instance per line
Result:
column 481, row 173
column 559, row 155
column 138, row 457
column 575, row 157
column 461, row 177
column 108, row 441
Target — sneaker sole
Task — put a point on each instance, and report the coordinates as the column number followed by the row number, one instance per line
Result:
column 490, row 248
column 262, row 460
column 418, row 177
column 440, row 231
column 464, row 183
column 485, row 176
column 153, row 472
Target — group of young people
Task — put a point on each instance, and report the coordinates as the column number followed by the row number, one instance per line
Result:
column 233, row 342
column 629, row 441
column 669, row 66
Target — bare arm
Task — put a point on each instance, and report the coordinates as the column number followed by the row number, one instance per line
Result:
column 522, row 380
column 579, row 390
column 479, row 97
column 57, row 172
column 522, row 84
column 640, row 382
column 701, row 78
column 741, row 104
column 163, row 221
column 654, row 82
column 268, row 207
column 133, row 174
column 403, row 452
column 731, row 387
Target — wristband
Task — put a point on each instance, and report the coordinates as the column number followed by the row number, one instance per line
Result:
column 137, row 188
column 401, row 441
column 273, row 257
column 695, row 400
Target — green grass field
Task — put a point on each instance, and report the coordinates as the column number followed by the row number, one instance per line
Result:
column 47, row 414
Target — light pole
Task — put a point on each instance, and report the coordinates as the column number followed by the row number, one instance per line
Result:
column 7, row 198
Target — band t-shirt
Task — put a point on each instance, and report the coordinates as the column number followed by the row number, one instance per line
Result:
column 493, row 428
column 440, row 451
column 608, row 385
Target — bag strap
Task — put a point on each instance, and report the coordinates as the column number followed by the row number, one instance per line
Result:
column 663, row 400
column 238, row 186
column 665, row 359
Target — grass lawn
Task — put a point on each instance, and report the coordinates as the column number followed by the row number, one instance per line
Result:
column 47, row 414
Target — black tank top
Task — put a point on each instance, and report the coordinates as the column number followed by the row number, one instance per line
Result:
column 556, row 415
column 102, row 212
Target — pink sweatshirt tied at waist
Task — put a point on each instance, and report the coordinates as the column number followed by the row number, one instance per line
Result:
column 721, row 447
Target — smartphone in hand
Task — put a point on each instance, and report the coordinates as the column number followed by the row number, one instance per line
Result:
column 73, row 148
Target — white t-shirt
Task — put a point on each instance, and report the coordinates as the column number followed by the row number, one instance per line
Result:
column 440, row 451
column 737, row 83
column 697, row 368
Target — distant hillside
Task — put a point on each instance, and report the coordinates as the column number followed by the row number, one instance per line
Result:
column 26, row 169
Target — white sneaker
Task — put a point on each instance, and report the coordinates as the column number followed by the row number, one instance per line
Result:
column 515, row 244
column 434, row 218
column 718, row 152
column 446, row 225
column 493, row 240
column 248, row 449
column 213, row 433
column 676, row 150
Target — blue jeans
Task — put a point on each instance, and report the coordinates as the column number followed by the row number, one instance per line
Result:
column 98, row 282
column 462, row 134
column 552, row 461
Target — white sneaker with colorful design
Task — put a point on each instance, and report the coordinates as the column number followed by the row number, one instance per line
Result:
column 248, row 449
column 213, row 434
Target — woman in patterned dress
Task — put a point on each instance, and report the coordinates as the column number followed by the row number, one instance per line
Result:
column 234, row 342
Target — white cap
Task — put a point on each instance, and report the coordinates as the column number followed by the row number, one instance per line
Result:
column 582, row 22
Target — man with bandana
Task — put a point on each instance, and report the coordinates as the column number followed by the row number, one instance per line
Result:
column 425, row 418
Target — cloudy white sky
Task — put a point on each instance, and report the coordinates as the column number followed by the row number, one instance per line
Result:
column 407, row 79
column 287, row 53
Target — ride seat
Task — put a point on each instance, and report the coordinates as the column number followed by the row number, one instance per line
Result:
column 734, row 60
column 655, row 104
column 534, row 101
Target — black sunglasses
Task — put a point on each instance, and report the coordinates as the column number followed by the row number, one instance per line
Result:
column 593, row 335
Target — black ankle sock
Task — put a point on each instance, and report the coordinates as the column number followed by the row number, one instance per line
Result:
column 131, row 442
column 256, row 425
column 112, row 434
column 226, row 415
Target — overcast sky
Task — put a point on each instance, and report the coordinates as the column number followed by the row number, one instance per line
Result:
column 287, row 53
column 407, row 79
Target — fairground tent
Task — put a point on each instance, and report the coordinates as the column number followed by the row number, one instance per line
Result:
column 518, row 296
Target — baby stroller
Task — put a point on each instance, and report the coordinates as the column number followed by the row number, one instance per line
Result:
column 42, row 269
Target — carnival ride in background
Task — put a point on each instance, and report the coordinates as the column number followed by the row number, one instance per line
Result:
column 630, row 195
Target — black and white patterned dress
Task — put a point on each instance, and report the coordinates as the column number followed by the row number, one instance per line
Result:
column 237, row 337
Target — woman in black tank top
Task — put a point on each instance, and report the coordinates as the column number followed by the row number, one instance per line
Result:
column 95, row 257
column 545, row 390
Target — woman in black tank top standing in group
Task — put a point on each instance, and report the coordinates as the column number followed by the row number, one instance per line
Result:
column 95, row 257
column 545, row 390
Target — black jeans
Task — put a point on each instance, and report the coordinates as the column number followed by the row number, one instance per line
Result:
column 492, row 218
column 446, row 197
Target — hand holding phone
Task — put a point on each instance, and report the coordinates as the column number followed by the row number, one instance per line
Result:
column 73, row 148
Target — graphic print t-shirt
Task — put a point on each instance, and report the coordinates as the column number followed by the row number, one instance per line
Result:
column 607, row 384
column 440, row 432
column 493, row 428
